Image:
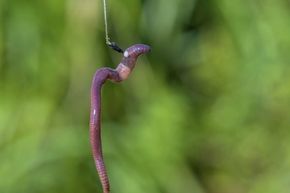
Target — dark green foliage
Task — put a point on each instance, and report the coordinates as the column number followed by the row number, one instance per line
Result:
column 206, row 111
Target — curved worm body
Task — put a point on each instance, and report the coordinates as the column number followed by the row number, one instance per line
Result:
column 119, row 74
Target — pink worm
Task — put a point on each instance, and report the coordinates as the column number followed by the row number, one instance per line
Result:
column 116, row 75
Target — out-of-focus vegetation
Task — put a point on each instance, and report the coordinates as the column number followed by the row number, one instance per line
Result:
column 207, row 111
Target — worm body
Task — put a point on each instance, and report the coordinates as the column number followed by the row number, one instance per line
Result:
column 119, row 74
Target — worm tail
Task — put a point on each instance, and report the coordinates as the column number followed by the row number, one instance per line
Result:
column 95, row 138
column 103, row 175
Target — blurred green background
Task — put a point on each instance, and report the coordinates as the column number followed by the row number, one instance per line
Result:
column 207, row 111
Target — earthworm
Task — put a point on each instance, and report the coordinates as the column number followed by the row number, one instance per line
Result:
column 119, row 74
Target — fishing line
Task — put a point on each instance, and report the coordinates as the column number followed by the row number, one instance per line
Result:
column 112, row 45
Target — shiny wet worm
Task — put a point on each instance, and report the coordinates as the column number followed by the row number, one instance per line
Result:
column 119, row 74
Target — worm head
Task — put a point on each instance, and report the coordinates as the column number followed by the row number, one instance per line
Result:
column 136, row 50
column 129, row 60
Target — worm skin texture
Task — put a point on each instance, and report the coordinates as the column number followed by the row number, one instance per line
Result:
column 119, row 74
